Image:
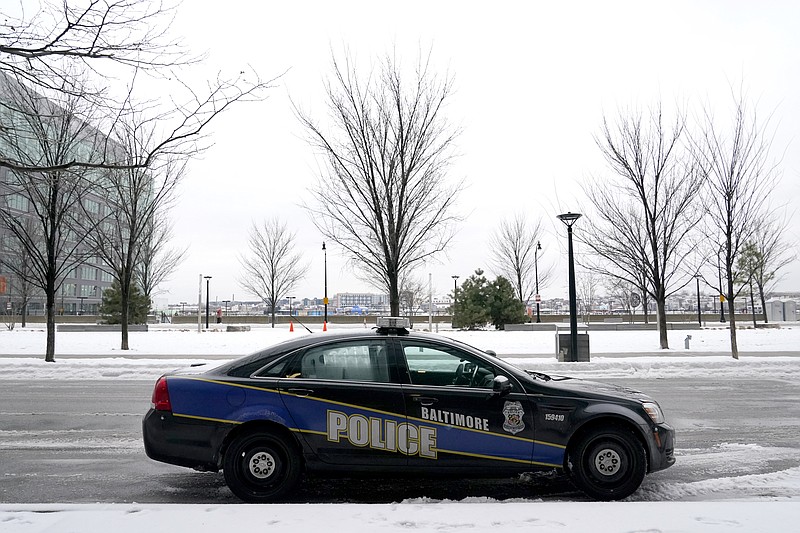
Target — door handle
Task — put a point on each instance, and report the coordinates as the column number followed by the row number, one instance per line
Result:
column 425, row 400
column 301, row 392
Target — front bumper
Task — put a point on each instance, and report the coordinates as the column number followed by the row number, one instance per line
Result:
column 662, row 447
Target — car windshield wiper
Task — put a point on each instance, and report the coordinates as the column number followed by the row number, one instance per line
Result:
column 539, row 375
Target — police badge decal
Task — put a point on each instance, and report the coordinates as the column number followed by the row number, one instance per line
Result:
column 513, row 412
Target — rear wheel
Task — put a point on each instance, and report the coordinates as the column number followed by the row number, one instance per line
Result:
column 261, row 467
column 608, row 463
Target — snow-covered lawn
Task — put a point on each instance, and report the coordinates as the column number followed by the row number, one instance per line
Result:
column 165, row 339
column 777, row 508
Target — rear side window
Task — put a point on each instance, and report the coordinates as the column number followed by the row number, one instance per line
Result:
column 365, row 360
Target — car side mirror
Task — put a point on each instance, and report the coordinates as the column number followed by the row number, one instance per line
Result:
column 501, row 386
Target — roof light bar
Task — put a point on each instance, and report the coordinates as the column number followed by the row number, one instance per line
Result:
column 393, row 322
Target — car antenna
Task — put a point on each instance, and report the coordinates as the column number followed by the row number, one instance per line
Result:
column 298, row 321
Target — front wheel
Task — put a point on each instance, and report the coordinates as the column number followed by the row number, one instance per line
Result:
column 261, row 467
column 608, row 464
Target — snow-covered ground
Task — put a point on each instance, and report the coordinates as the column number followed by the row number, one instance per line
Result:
column 167, row 339
column 635, row 354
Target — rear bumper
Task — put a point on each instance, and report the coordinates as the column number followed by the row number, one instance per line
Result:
column 182, row 441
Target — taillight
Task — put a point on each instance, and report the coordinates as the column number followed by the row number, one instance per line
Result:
column 161, row 396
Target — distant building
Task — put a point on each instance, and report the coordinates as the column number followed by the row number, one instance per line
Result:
column 345, row 302
column 82, row 288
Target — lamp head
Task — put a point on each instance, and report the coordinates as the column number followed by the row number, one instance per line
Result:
column 569, row 218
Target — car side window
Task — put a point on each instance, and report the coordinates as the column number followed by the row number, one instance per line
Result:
column 365, row 360
column 430, row 364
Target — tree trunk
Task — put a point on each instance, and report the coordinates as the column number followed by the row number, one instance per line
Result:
column 124, row 318
column 763, row 303
column 753, row 305
column 50, row 350
column 732, row 320
column 662, row 324
column 394, row 295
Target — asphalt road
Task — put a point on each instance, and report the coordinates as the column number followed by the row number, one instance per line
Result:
column 80, row 442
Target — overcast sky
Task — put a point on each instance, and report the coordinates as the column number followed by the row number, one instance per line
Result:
column 532, row 81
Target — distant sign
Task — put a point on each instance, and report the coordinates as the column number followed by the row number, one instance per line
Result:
column 538, row 298
column 636, row 300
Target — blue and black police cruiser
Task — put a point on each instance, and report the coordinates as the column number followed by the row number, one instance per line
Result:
column 395, row 401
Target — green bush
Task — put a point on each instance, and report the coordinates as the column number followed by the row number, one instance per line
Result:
column 111, row 308
column 479, row 302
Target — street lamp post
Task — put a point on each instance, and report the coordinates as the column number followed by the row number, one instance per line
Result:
column 455, row 290
column 208, row 280
column 536, row 270
column 325, row 296
column 290, row 298
column 699, row 316
column 569, row 220
column 80, row 310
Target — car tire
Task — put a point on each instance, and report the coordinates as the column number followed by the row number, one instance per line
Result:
column 261, row 467
column 608, row 463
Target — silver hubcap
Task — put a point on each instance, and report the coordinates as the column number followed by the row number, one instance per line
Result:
column 262, row 465
column 607, row 462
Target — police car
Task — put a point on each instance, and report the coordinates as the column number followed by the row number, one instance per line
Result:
column 393, row 401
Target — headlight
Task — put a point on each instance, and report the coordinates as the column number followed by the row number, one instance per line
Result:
column 654, row 412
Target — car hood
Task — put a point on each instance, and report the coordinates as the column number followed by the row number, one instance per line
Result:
column 581, row 387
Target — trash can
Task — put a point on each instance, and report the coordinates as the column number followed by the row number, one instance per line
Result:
column 564, row 347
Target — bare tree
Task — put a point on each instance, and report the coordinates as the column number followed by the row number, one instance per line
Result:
column 773, row 253
column 645, row 213
column 740, row 177
column 15, row 258
column 43, row 46
column 156, row 261
column 413, row 292
column 47, row 134
column 746, row 268
column 624, row 293
column 588, row 283
column 271, row 269
column 45, row 49
column 516, row 256
column 132, row 198
column 383, row 196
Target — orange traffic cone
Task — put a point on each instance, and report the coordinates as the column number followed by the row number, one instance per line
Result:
column 291, row 327
column 324, row 326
